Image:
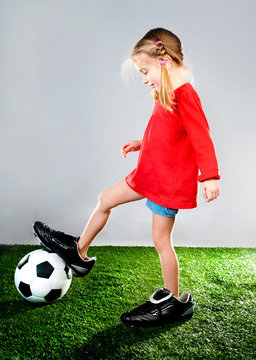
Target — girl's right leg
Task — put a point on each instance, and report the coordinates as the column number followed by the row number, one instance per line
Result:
column 162, row 238
column 118, row 194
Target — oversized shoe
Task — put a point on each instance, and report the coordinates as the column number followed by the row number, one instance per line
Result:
column 162, row 308
column 65, row 246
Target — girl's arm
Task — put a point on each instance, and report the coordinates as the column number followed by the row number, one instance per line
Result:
column 197, row 128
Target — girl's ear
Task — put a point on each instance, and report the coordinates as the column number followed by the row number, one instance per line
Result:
column 169, row 61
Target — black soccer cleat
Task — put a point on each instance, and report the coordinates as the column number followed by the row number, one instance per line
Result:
column 162, row 308
column 65, row 246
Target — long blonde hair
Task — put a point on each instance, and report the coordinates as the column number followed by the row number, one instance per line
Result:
column 171, row 45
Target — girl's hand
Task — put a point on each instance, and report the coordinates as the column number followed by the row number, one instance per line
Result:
column 211, row 189
column 131, row 145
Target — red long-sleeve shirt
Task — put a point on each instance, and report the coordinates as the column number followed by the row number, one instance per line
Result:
column 173, row 149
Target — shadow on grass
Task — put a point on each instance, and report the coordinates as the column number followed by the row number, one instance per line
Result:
column 15, row 307
column 117, row 340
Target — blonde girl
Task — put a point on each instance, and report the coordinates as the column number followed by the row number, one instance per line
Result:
column 176, row 145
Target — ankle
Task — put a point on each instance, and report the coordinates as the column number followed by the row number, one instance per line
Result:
column 82, row 251
column 173, row 291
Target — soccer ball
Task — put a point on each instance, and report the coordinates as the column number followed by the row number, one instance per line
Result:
column 42, row 276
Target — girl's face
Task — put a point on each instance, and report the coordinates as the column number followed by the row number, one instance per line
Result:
column 149, row 68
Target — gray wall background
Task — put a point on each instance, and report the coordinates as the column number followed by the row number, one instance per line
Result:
column 65, row 111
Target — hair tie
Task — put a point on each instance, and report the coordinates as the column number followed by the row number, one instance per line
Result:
column 159, row 42
column 163, row 63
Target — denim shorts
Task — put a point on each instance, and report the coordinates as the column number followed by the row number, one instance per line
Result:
column 161, row 210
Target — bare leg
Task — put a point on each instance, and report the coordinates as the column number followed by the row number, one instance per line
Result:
column 119, row 193
column 162, row 231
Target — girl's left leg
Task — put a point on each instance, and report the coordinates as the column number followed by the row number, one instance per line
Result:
column 162, row 235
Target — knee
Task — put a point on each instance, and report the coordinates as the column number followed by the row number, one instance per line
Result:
column 162, row 243
column 103, row 201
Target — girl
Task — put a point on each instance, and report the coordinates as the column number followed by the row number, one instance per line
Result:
column 175, row 146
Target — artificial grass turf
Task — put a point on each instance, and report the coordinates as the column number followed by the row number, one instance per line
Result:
column 85, row 323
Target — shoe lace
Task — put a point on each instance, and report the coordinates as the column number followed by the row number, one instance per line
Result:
column 142, row 308
column 65, row 236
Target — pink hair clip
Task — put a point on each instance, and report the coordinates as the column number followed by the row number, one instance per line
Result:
column 163, row 63
column 159, row 42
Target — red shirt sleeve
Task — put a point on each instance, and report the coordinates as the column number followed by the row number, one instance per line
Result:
column 195, row 124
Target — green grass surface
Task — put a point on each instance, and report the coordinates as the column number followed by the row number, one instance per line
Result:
column 85, row 323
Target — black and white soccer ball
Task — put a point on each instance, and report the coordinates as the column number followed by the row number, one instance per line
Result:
column 42, row 276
